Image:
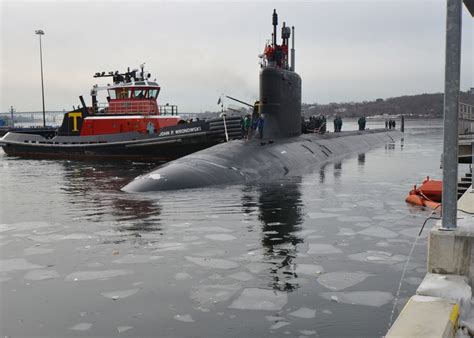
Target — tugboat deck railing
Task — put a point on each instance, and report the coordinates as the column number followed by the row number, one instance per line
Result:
column 142, row 107
column 466, row 119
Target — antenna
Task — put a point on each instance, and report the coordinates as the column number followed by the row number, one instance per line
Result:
column 275, row 24
column 292, row 48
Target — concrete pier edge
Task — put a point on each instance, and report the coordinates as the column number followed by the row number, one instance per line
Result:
column 444, row 296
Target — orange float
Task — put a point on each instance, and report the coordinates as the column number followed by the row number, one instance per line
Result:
column 427, row 195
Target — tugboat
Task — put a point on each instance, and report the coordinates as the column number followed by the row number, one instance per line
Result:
column 130, row 125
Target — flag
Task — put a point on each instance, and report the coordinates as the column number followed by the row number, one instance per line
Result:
column 219, row 102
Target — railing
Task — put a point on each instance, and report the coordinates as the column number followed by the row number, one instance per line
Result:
column 466, row 119
column 168, row 109
column 138, row 107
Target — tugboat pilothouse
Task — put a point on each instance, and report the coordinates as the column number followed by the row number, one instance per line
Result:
column 128, row 125
column 131, row 107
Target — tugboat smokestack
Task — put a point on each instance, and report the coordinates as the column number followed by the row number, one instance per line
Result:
column 275, row 24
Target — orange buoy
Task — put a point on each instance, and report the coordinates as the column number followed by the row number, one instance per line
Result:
column 432, row 189
column 414, row 199
column 427, row 195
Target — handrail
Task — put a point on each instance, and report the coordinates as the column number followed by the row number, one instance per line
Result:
column 466, row 119
column 466, row 111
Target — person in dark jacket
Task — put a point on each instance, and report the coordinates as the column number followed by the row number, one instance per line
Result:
column 260, row 124
column 339, row 124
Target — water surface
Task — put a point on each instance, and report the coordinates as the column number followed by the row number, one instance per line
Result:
column 316, row 255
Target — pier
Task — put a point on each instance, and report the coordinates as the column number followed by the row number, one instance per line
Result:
column 442, row 304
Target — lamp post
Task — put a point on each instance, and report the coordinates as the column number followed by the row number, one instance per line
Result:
column 40, row 32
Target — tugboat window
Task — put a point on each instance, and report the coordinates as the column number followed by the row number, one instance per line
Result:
column 123, row 93
column 140, row 94
column 153, row 93
column 112, row 94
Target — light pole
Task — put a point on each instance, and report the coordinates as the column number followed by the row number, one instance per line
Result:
column 40, row 32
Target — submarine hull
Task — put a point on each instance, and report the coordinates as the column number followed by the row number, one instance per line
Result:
column 239, row 161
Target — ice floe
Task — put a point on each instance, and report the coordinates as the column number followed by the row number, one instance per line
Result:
column 182, row 276
column 215, row 229
column 57, row 237
column 368, row 298
column 260, row 299
column 319, row 215
column 135, row 259
column 41, row 275
column 221, row 237
column 373, row 204
column 278, row 325
column 81, row 327
column 169, row 246
column 207, row 295
column 390, row 217
column 210, row 253
column 308, row 269
column 6, row 227
column 322, row 249
column 383, row 244
column 98, row 274
column 341, row 280
column 346, row 232
column 304, row 312
column 354, row 219
column 379, row 257
column 256, row 267
column 119, row 294
column 184, row 318
column 216, row 263
column 24, row 226
column 308, row 332
column 122, row 329
column 336, row 209
column 37, row 251
column 16, row 264
column 242, row 276
column 378, row 232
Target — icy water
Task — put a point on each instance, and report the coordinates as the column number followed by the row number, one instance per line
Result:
column 318, row 255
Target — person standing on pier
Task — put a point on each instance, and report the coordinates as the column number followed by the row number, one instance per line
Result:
column 339, row 124
column 260, row 123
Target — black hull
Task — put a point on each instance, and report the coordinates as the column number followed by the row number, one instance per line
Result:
column 241, row 162
column 171, row 144
column 146, row 153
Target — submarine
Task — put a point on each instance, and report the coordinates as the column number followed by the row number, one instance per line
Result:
column 281, row 150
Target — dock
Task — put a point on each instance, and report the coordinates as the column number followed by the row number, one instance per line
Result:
column 442, row 304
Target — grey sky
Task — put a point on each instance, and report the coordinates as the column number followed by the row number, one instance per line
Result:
column 345, row 50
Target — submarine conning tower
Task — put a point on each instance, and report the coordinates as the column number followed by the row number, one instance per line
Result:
column 280, row 86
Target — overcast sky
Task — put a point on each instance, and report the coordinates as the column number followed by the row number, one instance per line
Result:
column 345, row 50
